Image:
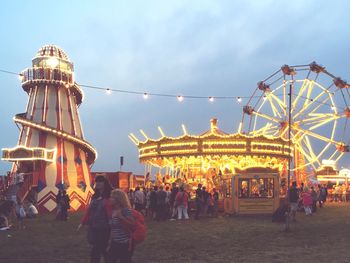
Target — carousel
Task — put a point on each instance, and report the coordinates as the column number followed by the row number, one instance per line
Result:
column 210, row 159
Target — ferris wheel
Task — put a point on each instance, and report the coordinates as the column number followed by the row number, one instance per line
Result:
column 318, row 108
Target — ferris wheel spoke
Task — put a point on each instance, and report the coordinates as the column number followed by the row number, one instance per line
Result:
column 255, row 116
column 280, row 103
column 299, row 95
column 266, row 130
column 345, row 129
column 273, row 107
column 309, row 91
column 334, row 154
column 318, row 136
column 321, row 120
column 314, row 117
column 307, row 104
column 306, row 155
column 311, row 151
column 340, row 155
column 267, row 117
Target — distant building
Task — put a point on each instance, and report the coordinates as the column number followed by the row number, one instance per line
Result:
column 122, row 180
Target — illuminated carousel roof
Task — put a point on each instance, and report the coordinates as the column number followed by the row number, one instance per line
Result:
column 212, row 143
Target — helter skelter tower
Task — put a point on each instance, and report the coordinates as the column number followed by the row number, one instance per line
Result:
column 51, row 150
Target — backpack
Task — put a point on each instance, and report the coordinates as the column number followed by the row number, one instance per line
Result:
column 139, row 230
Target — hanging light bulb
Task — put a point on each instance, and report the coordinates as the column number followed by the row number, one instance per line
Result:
column 145, row 95
column 108, row 91
column 239, row 99
column 211, row 99
column 180, row 98
column 21, row 77
column 264, row 98
column 333, row 108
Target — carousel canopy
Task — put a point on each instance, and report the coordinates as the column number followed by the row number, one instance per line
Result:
column 213, row 144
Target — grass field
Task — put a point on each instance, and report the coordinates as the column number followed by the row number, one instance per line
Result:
column 324, row 237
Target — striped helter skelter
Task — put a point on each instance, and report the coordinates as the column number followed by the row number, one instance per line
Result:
column 51, row 123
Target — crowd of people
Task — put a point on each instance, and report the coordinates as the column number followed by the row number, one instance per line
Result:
column 306, row 199
column 10, row 209
column 114, row 215
column 159, row 203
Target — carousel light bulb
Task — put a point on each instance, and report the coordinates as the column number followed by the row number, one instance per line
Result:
column 180, row 98
column 52, row 62
column 211, row 99
column 239, row 99
column 145, row 95
column 108, row 91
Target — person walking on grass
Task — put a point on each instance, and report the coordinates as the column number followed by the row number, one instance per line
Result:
column 205, row 204
column 181, row 201
column 148, row 203
column 216, row 202
column 344, row 191
column 199, row 201
column 307, row 201
column 161, row 205
column 168, row 210
column 59, row 197
column 65, row 205
column 121, row 247
column 293, row 198
column 97, row 219
column 173, row 208
column 153, row 202
column 139, row 199
column 210, row 203
column 20, row 214
column 322, row 196
column 314, row 197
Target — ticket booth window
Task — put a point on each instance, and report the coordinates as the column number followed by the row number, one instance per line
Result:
column 256, row 188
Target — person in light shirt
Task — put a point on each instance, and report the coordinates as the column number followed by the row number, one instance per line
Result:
column 139, row 199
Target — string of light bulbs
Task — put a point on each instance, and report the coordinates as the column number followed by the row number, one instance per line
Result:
column 179, row 97
column 146, row 95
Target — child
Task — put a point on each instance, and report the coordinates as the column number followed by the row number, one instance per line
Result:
column 210, row 204
column 6, row 208
column 20, row 213
column 307, row 201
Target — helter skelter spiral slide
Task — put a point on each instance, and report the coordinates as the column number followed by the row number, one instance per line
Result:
column 319, row 114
